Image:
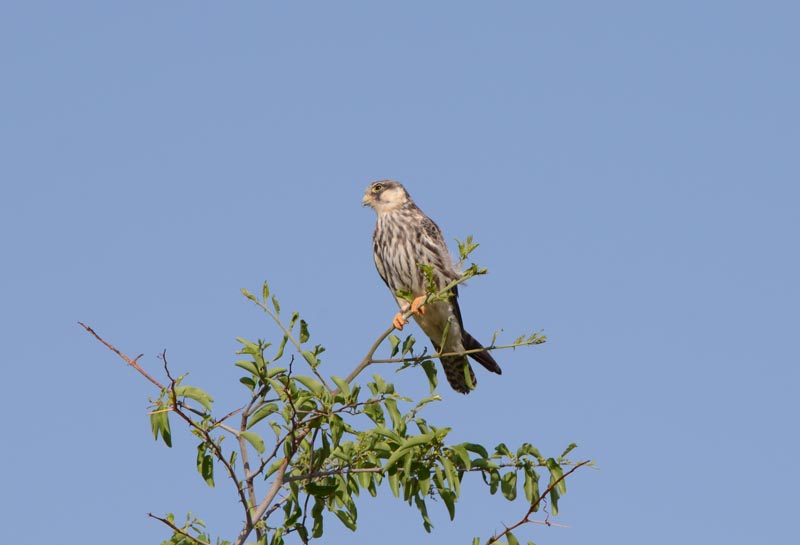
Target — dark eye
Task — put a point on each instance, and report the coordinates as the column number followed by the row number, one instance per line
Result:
column 376, row 188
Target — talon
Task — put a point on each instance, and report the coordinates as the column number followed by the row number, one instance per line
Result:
column 398, row 321
column 417, row 305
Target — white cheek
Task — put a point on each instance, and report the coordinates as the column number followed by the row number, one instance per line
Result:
column 393, row 198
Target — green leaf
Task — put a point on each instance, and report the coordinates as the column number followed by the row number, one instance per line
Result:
column 423, row 511
column 302, row 531
column 531, row 485
column 462, row 455
column 249, row 295
column 159, row 422
column 303, row 331
column 277, row 537
column 195, row 393
column 398, row 424
column 556, row 473
column 465, row 248
column 394, row 342
column 430, row 371
column 494, row 480
column 480, row 450
column 281, row 348
column 364, row 479
column 554, row 496
column 320, row 490
column 408, row 482
column 449, row 499
column 276, row 429
column 273, row 467
column 483, row 463
column 336, row 425
column 265, row 292
column 205, row 464
column 408, row 344
column 379, row 385
column 316, row 515
column 529, row 449
column 406, row 445
column 314, row 386
column 424, row 479
column 394, row 484
column 438, row 478
column 254, row 439
column 342, row 385
column 502, row 450
column 568, row 449
column 512, row 540
column 248, row 366
column 293, row 320
column 262, row 412
column 275, row 305
column 309, row 356
column 452, row 475
column 346, row 519
column 375, row 413
column 508, row 485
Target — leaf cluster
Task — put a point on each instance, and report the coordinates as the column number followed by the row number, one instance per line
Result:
column 303, row 449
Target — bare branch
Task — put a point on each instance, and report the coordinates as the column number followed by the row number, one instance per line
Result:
column 215, row 448
column 371, row 352
column 129, row 361
column 264, row 505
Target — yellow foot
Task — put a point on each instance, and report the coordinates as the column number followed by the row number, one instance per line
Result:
column 398, row 321
column 417, row 306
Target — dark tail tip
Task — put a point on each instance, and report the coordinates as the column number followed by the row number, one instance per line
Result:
column 484, row 358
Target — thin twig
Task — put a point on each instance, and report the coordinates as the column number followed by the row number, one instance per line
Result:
column 342, row 471
column 216, row 449
column 525, row 520
column 178, row 530
column 129, row 361
column 447, row 354
column 368, row 358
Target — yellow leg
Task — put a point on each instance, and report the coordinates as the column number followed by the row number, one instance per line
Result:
column 417, row 306
column 398, row 321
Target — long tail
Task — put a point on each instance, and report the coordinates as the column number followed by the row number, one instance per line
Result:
column 484, row 358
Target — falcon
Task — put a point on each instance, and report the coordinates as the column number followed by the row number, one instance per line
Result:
column 404, row 239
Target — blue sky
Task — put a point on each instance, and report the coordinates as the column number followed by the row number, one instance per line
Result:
column 629, row 168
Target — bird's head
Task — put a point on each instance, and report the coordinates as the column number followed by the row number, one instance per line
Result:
column 385, row 195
